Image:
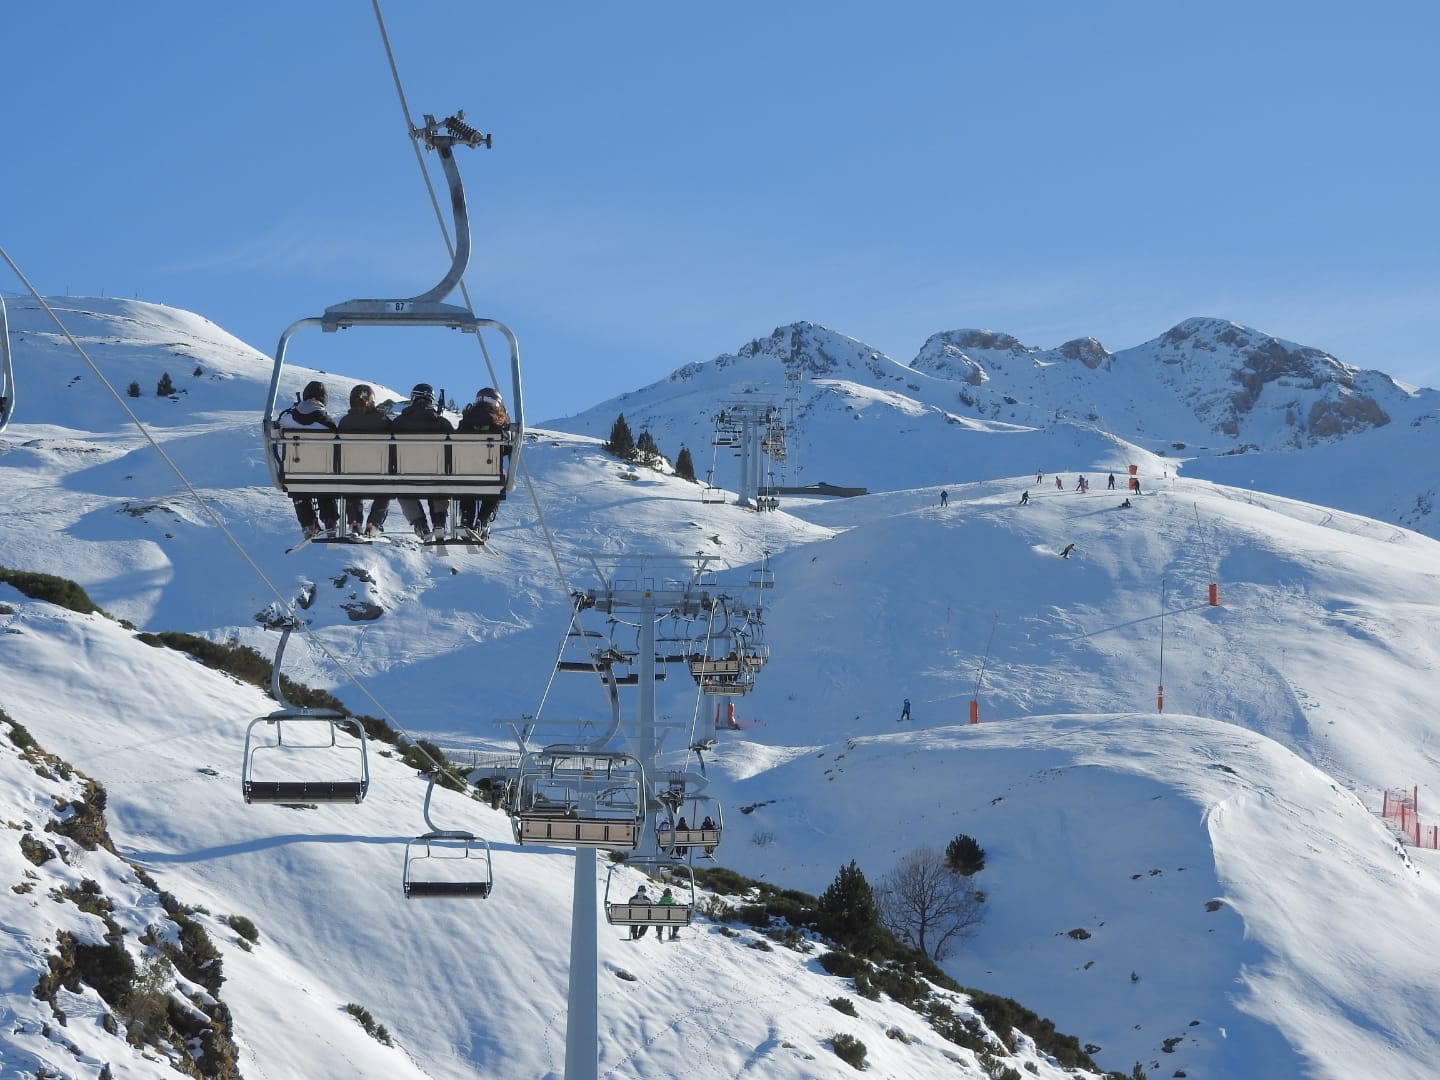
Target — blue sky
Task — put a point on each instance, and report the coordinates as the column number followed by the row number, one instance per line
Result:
column 671, row 180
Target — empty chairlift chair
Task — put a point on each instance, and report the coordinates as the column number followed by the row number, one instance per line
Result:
column 447, row 863
column 297, row 755
column 7, row 370
column 577, row 797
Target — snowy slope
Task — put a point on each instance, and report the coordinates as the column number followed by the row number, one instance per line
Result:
column 1288, row 709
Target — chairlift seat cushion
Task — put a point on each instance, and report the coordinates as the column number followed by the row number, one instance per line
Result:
column 305, row 790
column 420, row 890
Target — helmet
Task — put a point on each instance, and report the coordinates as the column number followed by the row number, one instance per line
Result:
column 422, row 391
column 488, row 394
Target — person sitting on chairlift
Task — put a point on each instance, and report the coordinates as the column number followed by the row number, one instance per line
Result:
column 422, row 415
column 640, row 897
column 681, row 826
column 365, row 417
column 486, row 415
column 667, row 899
column 308, row 414
column 709, row 823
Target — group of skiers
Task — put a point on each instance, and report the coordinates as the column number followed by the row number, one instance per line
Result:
column 422, row 414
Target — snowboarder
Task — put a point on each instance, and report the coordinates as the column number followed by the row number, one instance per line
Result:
column 1039, row 476
column 904, row 711
column 1059, row 485
column 944, row 497
column 1024, row 497
column 1065, row 552
column 1126, row 505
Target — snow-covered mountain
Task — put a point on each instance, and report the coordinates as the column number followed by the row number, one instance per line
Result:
column 1205, row 889
column 1221, row 400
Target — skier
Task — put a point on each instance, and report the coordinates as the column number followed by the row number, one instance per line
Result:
column 1065, row 553
column 1024, row 497
column 1110, row 486
column 1058, row 484
column 904, row 711
column 944, row 498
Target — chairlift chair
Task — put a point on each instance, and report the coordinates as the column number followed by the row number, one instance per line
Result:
column 719, row 666
column 455, row 465
column 728, row 676
column 7, row 370
column 626, row 912
column 579, row 797
column 693, row 810
column 447, row 863
column 332, row 767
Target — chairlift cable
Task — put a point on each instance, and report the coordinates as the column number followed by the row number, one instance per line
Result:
column 209, row 513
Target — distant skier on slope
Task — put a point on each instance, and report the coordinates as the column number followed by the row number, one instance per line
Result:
column 1065, row 552
column 904, row 711
column 1024, row 497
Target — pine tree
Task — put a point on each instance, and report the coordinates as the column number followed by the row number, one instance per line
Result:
column 622, row 442
column 849, row 903
column 646, row 452
column 164, row 388
column 684, row 466
column 133, row 389
column 964, row 855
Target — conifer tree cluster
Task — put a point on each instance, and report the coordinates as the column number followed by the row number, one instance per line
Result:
column 642, row 450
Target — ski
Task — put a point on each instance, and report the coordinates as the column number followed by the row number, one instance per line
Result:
column 297, row 547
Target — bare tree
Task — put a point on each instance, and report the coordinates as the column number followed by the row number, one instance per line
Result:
column 925, row 903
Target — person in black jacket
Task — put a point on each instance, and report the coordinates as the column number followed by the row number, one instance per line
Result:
column 422, row 415
column 365, row 417
column 312, row 511
column 486, row 415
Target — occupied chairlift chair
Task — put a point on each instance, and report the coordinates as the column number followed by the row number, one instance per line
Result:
column 693, row 809
column 624, row 912
column 332, row 767
column 446, row 863
column 578, row 797
column 719, row 666
column 457, row 464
